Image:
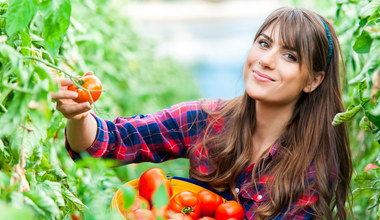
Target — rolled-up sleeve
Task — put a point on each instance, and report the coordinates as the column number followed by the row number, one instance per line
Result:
column 157, row 137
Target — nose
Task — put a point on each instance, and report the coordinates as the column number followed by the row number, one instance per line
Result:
column 268, row 59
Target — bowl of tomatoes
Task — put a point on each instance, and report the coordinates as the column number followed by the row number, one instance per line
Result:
column 187, row 199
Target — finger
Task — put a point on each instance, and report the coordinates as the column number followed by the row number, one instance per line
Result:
column 63, row 81
column 70, row 110
column 64, row 94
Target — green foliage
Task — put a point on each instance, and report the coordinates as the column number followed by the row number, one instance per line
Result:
column 160, row 197
column 40, row 40
column 128, row 196
column 358, row 27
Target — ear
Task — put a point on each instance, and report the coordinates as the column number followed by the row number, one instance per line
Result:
column 314, row 82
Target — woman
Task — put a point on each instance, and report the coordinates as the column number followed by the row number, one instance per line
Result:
column 273, row 148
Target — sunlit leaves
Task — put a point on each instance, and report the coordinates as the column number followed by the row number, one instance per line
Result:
column 56, row 14
column 363, row 43
column 20, row 13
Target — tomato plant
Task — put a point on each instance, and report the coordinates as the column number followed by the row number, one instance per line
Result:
column 209, row 202
column 38, row 179
column 186, row 202
column 228, row 210
column 90, row 90
column 149, row 182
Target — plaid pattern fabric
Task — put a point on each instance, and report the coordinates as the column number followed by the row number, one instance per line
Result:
column 169, row 134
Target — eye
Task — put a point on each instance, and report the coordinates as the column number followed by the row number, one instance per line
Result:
column 291, row 57
column 263, row 43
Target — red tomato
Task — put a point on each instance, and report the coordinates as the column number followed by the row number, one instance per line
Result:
column 206, row 218
column 228, row 210
column 163, row 212
column 370, row 167
column 149, row 182
column 186, row 202
column 140, row 203
column 180, row 216
column 90, row 82
column 141, row 214
column 75, row 217
column 209, row 202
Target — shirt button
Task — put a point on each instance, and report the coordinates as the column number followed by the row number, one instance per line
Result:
column 237, row 190
column 259, row 197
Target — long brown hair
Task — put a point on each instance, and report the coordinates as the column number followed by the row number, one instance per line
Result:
column 308, row 139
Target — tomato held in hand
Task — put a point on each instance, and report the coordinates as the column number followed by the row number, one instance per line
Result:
column 149, row 182
column 186, row 202
column 230, row 210
column 90, row 82
column 209, row 202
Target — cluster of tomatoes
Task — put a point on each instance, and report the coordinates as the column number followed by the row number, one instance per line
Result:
column 185, row 205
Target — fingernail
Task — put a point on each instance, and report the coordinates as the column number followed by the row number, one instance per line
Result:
column 88, row 105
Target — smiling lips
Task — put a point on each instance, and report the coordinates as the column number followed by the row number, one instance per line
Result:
column 261, row 77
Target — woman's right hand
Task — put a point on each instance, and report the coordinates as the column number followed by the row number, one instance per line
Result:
column 65, row 103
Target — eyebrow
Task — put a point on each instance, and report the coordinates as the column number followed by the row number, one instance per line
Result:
column 271, row 40
column 267, row 37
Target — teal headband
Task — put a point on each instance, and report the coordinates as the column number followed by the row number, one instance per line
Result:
column 330, row 42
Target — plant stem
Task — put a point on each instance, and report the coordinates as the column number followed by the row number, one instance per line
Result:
column 49, row 65
column 19, row 89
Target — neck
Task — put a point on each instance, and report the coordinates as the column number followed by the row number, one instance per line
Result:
column 271, row 121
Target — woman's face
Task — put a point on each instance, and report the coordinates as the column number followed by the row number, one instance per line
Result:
column 272, row 73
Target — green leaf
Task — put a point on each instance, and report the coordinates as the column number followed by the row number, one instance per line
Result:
column 129, row 194
column 4, row 180
column 9, row 55
column 364, row 124
column 56, row 22
column 72, row 201
column 347, row 115
column 44, row 75
column 31, row 178
column 370, row 9
column 363, row 92
column 41, row 202
column 26, row 42
column 19, row 14
column 363, row 43
column 160, row 197
column 56, row 121
column 367, row 179
column 53, row 189
column 373, row 114
column 9, row 212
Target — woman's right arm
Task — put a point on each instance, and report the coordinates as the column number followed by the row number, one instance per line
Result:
column 81, row 126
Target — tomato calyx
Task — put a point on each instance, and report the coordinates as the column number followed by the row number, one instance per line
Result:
column 79, row 81
column 187, row 210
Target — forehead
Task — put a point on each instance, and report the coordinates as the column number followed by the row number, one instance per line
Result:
column 278, row 35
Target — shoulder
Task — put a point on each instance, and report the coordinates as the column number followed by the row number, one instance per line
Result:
column 204, row 105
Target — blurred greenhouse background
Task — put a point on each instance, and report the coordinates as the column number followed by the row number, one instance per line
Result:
column 210, row 37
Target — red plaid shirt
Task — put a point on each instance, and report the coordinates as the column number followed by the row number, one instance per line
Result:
column 169, row 134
